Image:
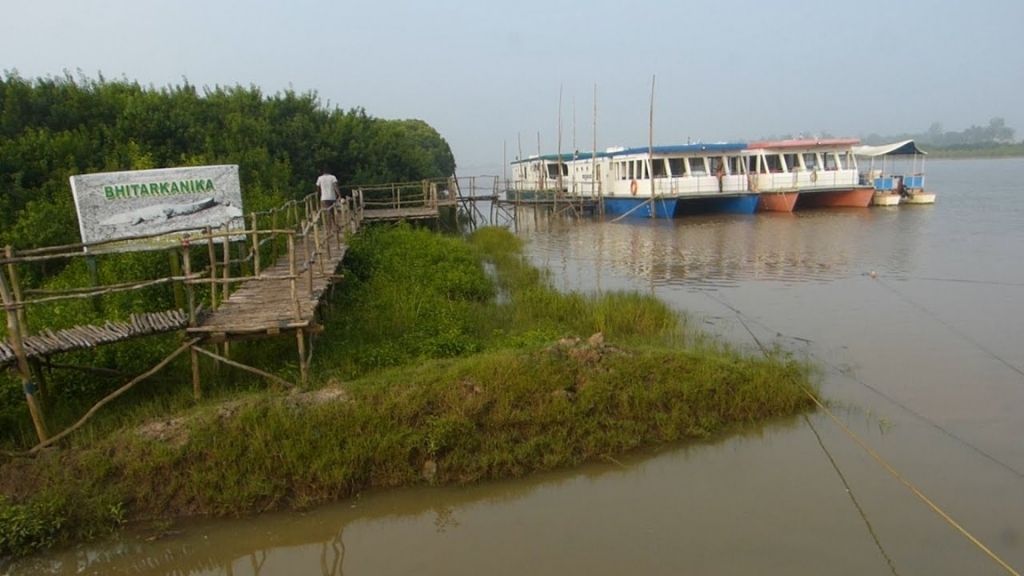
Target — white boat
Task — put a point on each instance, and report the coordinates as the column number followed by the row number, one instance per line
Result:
column 539, row 178
column 896, row 169
column 666, row 181
column 814, row 173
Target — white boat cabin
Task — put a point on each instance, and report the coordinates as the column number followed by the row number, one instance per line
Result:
column 802, row 165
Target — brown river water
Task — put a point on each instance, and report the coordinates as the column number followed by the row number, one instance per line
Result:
column 915, row 316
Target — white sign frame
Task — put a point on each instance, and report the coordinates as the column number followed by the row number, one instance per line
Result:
column 116, row 208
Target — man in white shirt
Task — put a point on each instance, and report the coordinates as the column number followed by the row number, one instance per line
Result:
column 328, row 186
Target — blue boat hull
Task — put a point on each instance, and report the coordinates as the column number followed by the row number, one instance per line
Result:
column 729, row 205
column 660, row 208
column 672, row 207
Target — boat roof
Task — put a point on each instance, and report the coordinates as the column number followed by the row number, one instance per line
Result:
column 904, row 148
column 682, row 149
column 805, row 143
column 564, row 157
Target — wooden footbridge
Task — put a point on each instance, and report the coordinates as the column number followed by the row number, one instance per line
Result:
column 220, row 297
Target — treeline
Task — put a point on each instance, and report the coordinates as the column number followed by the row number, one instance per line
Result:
column 995, row 135
column 53, row 128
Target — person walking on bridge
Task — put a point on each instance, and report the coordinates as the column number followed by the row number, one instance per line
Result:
column 327, row 184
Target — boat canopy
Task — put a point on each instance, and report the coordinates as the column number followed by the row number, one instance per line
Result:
column 904, row 148
column 682, row 149
column 805, row 143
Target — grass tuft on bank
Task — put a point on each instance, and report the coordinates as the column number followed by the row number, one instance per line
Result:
column 444, row 361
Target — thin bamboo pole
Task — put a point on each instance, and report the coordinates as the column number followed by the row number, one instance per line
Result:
column 226, row 267
column 113, row 396
column 212, row 253
column 24, row 370
column 255, row 246
column 293, row 280
column 186, row 256
column 300, row 338
column 197, row 389
column 241, row 366
column 309, row 262
column 12, row 273
column 318, row 256
column 174, row 260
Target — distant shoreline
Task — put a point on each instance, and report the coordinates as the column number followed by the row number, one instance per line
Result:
column 1002, row 151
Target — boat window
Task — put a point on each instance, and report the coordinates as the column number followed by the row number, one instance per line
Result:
column 677, row 167
column 717, row 164
column 658, row 168
column 811, row 161
column 737, row 165
column 758, row 164
column 553, row 169
column 792, row 162
column 698, row 167
column 774, row 163
column 831, row 160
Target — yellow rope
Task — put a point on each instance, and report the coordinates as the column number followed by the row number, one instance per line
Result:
column 912, row 488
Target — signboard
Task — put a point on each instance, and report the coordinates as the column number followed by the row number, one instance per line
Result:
column 127, row 205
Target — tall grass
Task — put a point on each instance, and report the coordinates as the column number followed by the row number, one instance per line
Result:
column 460, row 363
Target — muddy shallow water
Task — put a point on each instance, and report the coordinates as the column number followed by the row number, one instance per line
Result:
column 914, row 315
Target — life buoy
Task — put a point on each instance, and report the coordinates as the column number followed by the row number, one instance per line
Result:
column 633, row 187
column 814, row 176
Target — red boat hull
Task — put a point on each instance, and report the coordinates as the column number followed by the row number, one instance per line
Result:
column 859, row 197
column 777, row 201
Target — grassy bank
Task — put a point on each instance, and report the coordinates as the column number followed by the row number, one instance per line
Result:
column 459, row 363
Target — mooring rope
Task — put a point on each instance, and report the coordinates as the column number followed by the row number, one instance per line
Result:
column 948, row 326
column 962, row 441
column 885, row 464
column 849, row 491
column 835, row 465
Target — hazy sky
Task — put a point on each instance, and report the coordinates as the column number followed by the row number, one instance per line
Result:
column 487, row 75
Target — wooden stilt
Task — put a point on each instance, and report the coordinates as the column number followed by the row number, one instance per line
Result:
column 197, row 391
column 226, row 266
column 174, row 258
column 14, row 336
column 213, row 267
column 300, row 338
column 186, row 258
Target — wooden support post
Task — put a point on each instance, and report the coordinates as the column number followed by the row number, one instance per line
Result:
column 186, row 256
column 12, row 274
column 226, row 266
column 293, row 274
column 309, row 264
column 213, row 267
column 319, row 256
column 174, row 258
column 255, row 246
column 94, row 281
column 300, row 338
column 24, row 370
column 273, row 226
column 327, row 218
column 197, row 390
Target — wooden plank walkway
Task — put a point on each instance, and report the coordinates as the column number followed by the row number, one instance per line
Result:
column 388, row 214
column 83, row 337
column 265, row 305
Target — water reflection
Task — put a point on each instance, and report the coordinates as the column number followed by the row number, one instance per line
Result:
column 410, row 531
column 725, row 251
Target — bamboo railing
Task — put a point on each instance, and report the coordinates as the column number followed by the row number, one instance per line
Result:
column 260, row 237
